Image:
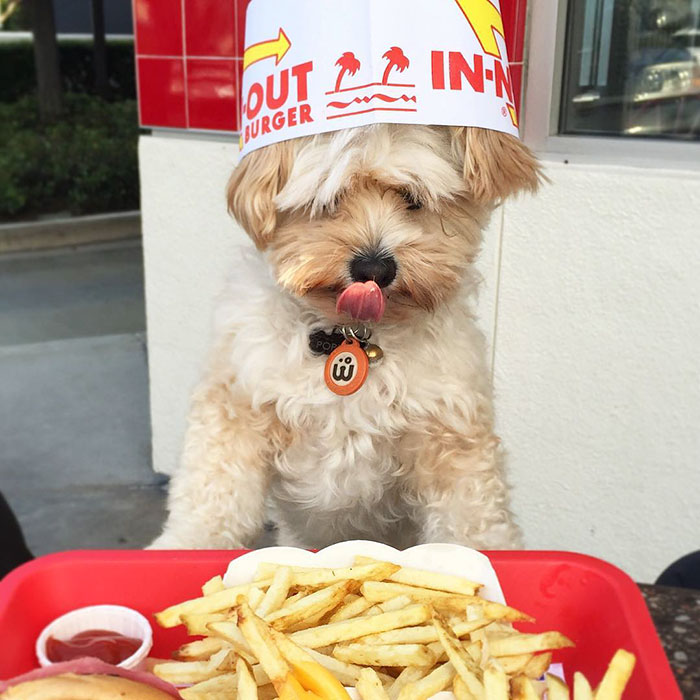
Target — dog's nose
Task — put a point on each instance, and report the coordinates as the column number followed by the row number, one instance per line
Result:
column 379, row 267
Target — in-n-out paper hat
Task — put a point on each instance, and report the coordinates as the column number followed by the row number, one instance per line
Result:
column 312, row 66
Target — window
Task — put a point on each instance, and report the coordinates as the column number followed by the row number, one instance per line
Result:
column 632, row 68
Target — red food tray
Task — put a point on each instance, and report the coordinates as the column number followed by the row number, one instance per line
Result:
column 595, row 604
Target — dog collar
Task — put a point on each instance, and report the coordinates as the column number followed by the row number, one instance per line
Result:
column 322, row 343
column 349, row 356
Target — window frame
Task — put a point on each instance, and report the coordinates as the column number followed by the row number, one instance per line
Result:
column 544, row 73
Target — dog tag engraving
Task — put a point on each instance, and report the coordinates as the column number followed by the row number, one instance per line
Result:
column 346, row 368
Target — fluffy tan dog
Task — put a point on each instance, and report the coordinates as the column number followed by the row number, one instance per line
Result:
column 411, row 457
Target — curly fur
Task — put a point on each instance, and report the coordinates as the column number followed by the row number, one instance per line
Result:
column 411, row 456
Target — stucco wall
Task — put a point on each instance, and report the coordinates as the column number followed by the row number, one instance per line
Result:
column 190, row 246
column 594, row 300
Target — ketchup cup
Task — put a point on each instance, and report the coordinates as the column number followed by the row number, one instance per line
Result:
column 114, row 618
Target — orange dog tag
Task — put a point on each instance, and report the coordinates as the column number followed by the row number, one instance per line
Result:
column 346, row 368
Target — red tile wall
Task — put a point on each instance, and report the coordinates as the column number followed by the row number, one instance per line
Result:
column 189, row 56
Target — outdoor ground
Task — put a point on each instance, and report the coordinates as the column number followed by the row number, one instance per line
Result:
column 74, row 423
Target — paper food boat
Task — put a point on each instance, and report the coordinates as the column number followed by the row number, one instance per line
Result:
column 440, row 558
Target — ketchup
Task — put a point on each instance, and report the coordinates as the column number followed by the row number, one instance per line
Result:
column 110, row 647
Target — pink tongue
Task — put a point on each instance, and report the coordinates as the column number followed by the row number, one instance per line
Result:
column 362, row 300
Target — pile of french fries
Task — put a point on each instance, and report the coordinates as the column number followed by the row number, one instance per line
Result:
column 390, row 632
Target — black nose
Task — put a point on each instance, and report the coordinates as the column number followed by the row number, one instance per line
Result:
column 379, row 267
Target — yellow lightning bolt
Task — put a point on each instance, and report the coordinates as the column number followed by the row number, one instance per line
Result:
column 267, row 49
column 485, row 19
column 513, row 114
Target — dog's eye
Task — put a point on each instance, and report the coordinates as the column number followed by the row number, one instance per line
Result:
column 412, row 202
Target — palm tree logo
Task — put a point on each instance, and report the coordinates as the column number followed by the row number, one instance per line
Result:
column 397, row 59
column 348, row 63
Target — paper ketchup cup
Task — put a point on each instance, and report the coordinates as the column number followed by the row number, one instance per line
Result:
column 114, row 618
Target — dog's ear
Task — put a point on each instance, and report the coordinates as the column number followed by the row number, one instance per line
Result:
column 253, row 186
column 495, row 165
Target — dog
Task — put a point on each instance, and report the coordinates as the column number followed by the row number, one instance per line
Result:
column 411, row 457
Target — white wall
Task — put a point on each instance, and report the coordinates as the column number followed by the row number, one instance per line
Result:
column 597, row 365
column 591, row 288
column 189, row 248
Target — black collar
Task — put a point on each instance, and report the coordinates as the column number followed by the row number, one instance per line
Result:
column 322, row 343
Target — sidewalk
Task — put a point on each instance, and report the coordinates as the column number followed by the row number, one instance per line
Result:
column 74, row 424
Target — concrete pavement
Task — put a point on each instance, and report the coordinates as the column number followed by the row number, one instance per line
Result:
column 74, row 425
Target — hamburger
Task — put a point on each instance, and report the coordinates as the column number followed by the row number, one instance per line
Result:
column 86, row 679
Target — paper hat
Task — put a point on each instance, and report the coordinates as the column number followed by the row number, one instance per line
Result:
column 312, row 66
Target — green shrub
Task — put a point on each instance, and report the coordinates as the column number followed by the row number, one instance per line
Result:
column 85, row 163
column 17, row 76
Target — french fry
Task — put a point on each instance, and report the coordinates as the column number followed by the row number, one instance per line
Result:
column 230, row 632
column 216, row 688
column 460, row 690
column 196, row 623
column 228, row 598
column 213, row 585
column 315, row 604
column 528, row 643
column 265, row 692
column 475, row 650
column 522, row 689
column 582, row 688
column 381, row 591
column 312, row 621
column 293, row 598
column 515, row 665
column 319, row 577
column 410, row 674
column 370, row 687
column 460, row 659
column 200, row 650
column 351, row 609
column 495, row 684
column 260, row 642
column 223, row 688
column 556, row 688
column 247, row 687
column 346, row 673
column 226, row 682
column 537, row 665
column 429, row 685
column 291, row 689
column 184, row 672
column 359, row 627
column 616, row 677
column 374, row 610
column 276, row 593
column 254, row 596
column 312, row 675
column 489, row 609
column 400, row 601
column 424, row 634
column 385, row 654
column 429, row 579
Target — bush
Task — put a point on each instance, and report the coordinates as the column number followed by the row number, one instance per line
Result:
column 17, row 77
column 85, row 163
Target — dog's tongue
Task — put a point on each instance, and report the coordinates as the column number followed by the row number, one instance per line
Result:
column 363, row 301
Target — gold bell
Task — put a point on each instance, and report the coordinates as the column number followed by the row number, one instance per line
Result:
column 374, row 353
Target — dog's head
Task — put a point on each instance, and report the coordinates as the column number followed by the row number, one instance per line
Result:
column 401, row 205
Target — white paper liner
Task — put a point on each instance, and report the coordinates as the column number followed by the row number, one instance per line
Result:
column 115, row 618
column 441, row 558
